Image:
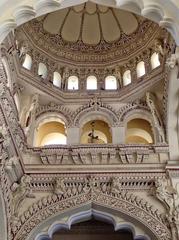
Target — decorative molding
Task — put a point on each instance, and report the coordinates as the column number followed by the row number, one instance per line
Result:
column 96, row 106
column 99, row 154
column 91, row 190
column 55, row 108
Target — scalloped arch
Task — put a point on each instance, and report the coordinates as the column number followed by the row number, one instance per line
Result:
column 81, row 216
column 47, row 210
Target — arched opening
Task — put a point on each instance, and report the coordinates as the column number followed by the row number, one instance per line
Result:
column 155, row 62
column 42, row 70
column 126, row 78
column 51, row 133
column 139, row 131
column 97, row 132
column 93, row 229
column 110, row 83
column 91, row 83
column 140, row 69
column 27, row 62
column 57, row 79
column 118, row 226
column 73, row 83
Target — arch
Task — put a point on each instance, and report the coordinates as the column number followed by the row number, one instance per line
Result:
column 139, row 113
column 42, row 70
column 51, row 208
column 110, row 83
column 53, row 138
column 78, row 217
column 91, row 83
column 93, row 115
column 127, row 78
column 57, row 79
column 155, row 62
column 73, row 83
column 140, row 69
column 45, row 118
column 95, row 110
column 27, row 62
column 139, row 131
column 52, row 132
column 96, row 131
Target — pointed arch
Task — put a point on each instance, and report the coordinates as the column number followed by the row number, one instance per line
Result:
column 43, row 213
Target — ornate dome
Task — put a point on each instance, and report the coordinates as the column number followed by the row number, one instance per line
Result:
column 90, row 23
column 90, row 34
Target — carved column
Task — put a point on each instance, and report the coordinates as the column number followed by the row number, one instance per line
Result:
column 118, row 134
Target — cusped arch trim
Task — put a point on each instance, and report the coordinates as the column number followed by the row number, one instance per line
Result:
column 81, row 216
column 124, row 203
column 53, row 109
column 92, row 112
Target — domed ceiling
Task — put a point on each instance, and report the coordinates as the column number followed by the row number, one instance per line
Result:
column 90, row 23
column 90, row 33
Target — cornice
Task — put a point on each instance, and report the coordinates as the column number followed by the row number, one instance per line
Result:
column 126, row 169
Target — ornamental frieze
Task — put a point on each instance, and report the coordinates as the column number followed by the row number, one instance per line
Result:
column 80, row 52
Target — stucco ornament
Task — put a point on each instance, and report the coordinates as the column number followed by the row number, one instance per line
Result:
column 173, row 60
column 19, row 193
column 170, row 198
column 5, row 135
column 95, row 189
column 165, row 194
column 116, row 185
column 59, row 186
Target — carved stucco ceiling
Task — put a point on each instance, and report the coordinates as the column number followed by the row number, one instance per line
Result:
column 90, row 23
column 90, row 33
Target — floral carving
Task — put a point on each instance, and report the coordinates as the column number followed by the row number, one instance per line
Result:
column 20, row 192
column 92, row 190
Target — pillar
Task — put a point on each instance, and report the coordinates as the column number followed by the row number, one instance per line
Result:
column 73, row 135
column 118, row 134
